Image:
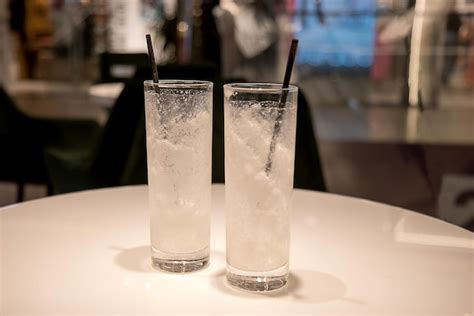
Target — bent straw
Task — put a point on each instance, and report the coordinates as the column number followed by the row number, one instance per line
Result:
column 281, row 104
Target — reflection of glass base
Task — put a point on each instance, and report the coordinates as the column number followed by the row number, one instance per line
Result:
column 258, row 281
column 180, row 263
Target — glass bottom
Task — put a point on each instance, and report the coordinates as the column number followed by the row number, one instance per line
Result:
column 179, row 263
column 258, row 281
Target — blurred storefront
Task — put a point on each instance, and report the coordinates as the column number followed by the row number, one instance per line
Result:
column 366, row 41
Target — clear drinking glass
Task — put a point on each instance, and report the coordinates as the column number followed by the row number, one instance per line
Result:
column 260, row 127
column 179, row 145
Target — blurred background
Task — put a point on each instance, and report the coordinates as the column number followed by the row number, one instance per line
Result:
column 386, row 104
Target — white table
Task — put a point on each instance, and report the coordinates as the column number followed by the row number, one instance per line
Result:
column 106, row 93
column 56, row 100
column 87, row 253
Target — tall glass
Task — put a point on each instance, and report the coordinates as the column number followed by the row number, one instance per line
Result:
column 179, row 145
column 260, row 127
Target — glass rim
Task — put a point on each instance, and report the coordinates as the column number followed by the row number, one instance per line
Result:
column 260, row 87
column 179, row 84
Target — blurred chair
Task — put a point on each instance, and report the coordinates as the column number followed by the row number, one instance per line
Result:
column 308, row 169
column 136, row 167
column 180, row 71
column 117, row 67
column 24, row 140
column 102, row 163
column 119, row 158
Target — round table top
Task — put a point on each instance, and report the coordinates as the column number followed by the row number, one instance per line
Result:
column 88, row 253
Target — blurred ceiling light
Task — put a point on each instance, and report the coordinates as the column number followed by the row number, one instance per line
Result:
column 182, row 27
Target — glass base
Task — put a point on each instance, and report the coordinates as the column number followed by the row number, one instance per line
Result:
column 179, row 263
column 258, row 281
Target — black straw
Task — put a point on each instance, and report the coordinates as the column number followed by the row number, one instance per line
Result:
column 281, row 104
column 151, row 57
column 289, row 64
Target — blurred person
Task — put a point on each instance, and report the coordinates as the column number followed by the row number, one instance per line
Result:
column 228, row 47
column 63, row 32
column 453, row 25
column 319, row 12
column 406, row 69
column 206, row 40
column 29, row 20
column 152, row 12
column 383, row 52
column 392, row 31
column 168, row 32
column 426, row 51
column 467, row 35
column 17, row 26
column 249, row 35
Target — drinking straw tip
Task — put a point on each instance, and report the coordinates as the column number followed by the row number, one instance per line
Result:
column 290, row 62
column 151, row 57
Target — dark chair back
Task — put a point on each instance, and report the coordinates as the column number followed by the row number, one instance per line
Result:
column 121, row 154
column 118, row 136
column 22, row 139
column 29, row 143
column 135, row 171
column 12, row 120
column 308, row 169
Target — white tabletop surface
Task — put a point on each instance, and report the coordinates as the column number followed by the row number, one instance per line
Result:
column 106, row 93
column 88, row 254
